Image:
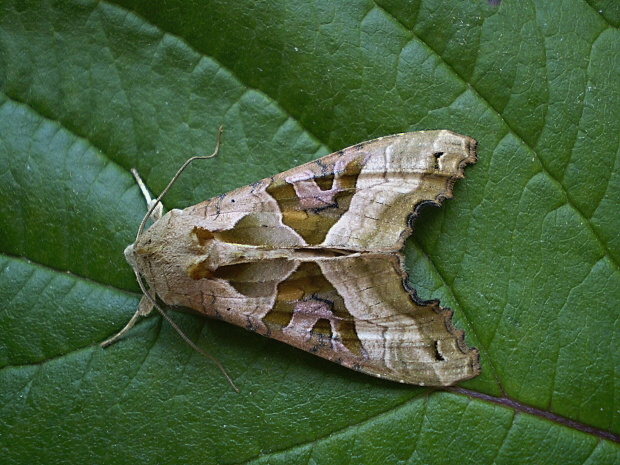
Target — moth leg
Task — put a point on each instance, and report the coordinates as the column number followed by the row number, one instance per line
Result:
column 159, row 209
column 144, row 308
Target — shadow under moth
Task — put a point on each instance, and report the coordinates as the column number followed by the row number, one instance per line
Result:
column 311, row 257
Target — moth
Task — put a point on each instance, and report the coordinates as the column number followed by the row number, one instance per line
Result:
column 311, row 257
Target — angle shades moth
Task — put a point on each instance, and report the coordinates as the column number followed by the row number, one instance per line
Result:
column 311, row 257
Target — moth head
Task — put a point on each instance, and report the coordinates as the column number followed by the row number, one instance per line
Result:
column 130, row 256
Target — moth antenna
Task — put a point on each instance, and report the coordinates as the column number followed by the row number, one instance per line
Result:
column 198, row 349
column 157, row 201
column 185, row 338
column 155, row 210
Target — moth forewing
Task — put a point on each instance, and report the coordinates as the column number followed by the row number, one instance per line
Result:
column 311, row 257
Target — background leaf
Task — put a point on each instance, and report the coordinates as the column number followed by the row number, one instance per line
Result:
column 526, row 254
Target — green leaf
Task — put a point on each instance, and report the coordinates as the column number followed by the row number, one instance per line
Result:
column 527, row 253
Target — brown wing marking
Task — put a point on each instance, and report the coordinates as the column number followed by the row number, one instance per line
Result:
column 310, row 203
column 309, row 309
